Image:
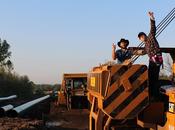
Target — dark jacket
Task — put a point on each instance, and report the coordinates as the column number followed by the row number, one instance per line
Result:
column 123, row 55
column 152, row 45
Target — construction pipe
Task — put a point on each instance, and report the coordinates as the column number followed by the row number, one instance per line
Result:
column 4, row 109
column 24, row 107
column 8, row 98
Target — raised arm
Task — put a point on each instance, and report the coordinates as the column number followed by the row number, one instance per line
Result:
column 140, row 52
column 153, row 25
column 137, row 51
column 114, row 57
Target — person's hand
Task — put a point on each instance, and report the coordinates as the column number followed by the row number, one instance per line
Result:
column 140, row 52
column 151, row 15
column 113, row 46
column 127, row 62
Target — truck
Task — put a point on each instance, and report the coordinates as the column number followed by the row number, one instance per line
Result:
column 73, row 92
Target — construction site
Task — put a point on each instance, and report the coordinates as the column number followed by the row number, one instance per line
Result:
column 111, row 96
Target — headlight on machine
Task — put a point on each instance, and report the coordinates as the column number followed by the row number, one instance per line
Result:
column 171, row 107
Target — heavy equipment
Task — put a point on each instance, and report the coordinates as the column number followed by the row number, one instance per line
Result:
column 120, row 98
column 72, row 108
column 73, row 92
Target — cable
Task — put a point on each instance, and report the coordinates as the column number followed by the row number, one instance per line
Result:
column 163, row 28
column 169, row 14
column 161, row 23
column 160, row 28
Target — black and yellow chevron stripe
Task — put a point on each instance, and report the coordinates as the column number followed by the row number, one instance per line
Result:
column 128, row 91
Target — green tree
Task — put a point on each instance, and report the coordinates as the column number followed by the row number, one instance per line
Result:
column 5, row 55
column 10, row 82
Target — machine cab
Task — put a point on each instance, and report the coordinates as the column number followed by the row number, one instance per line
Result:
column 73, row 91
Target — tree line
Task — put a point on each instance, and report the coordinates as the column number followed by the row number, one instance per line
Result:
column 12, row 83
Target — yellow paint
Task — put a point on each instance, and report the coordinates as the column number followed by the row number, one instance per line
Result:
column 174, row 67
column 170, row 124
column 171, row 107
column 93, row 81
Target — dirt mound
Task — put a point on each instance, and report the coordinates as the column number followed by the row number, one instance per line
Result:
column 20, row 124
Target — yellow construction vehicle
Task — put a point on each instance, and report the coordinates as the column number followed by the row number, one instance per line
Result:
column 119, row 98
column 73, row 92
column 72, row 109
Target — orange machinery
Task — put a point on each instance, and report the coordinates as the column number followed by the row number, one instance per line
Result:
column 73, row 92
column 119, row 97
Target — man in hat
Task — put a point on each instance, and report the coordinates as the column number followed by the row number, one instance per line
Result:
column 123, row 53
column 155, row 56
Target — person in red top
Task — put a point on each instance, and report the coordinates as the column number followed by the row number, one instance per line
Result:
column 155, row 57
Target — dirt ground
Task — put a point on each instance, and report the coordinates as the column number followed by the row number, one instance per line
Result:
column 61, row 119
column 20, row 124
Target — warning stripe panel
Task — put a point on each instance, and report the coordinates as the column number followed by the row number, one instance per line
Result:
column 115, row 68
column 118, row 99
column 117, row 74
column 131, row 106
column 127, row 73
column 129, row 99
column 138, row 108
column 113, row 96
column 141, row 70
column 116, row 102
column 113, row 88
column 115, row 78
column 121, row 98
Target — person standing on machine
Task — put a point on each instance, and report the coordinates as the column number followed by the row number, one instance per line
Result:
column 155, row 57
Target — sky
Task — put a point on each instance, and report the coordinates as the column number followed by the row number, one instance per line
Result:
column 52, row 37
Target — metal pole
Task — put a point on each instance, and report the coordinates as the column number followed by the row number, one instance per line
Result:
column 4, row 109
column 8, row 98
column 22, row 108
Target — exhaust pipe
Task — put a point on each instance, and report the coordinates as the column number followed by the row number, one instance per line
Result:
column 4, row 109
column 8, row 98
column 24, row 107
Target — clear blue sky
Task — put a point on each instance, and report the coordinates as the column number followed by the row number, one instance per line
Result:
column 49, row 37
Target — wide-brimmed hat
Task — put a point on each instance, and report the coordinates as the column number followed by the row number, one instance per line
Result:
column 123, row 40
